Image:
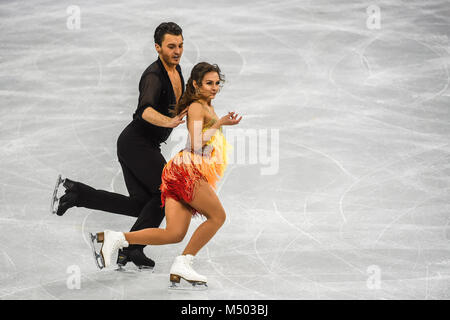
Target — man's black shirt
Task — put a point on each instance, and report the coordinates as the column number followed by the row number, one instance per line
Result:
column 156, row 91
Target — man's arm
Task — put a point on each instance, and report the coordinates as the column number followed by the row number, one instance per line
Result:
column 154, row 117
column 160, row 120
column 149, row 92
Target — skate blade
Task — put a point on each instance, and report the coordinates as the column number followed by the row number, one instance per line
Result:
column 182, row 284
column 55, row 201
column 121, row 268
column 145, row 269
column 100, row 263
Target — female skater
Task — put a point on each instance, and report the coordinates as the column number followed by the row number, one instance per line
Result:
column 188, row 181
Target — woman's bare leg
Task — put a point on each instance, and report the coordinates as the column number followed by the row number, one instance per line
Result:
column 178, row 217
column 206, row 202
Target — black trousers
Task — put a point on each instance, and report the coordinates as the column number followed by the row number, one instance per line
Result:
column 142, row 164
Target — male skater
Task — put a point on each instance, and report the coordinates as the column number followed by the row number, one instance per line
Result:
column 138, row 147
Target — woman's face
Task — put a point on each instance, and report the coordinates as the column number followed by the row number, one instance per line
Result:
column 210, row 85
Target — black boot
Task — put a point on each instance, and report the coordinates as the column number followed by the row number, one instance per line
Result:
column 66, row 202
column 70, row 185
column 122, row 258
column 138, row 257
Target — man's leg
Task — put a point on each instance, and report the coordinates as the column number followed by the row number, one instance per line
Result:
column 146, row 171
column 150, row 217
column 151, row 214
column 130, row 145
column 91, row 198
column 142, row 165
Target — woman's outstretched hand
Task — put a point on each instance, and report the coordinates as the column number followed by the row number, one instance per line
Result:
column 230, row 119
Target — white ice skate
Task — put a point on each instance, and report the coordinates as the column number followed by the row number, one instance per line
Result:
column 182, row 269
column 112, row 241
column 55, row 200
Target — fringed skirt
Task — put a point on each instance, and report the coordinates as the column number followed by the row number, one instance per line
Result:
column 181, row 174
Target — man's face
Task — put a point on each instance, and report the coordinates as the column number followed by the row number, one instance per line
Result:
column 171, row 49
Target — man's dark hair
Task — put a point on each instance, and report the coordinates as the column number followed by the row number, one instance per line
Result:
column 167, row 27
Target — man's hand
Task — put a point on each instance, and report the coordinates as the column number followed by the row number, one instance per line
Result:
column 177, row 120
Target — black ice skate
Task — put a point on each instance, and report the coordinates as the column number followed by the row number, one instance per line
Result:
column 60, row 205
column 137, row 256
column 122, row 260
column 67, row 201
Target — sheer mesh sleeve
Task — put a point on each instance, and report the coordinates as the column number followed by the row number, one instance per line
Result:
column 149, row 93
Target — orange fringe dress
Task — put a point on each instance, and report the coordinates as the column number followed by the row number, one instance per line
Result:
column 187, row 167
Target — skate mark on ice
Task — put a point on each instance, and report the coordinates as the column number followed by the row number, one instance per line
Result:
column 383, row 166
column 213, row 264
column 317, row 241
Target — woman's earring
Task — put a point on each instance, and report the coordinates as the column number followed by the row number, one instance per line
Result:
column 197, row 91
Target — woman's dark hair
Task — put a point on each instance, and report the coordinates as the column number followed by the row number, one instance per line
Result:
column 166, row 27
column 190, row 95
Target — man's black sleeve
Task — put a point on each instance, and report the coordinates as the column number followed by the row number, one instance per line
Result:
column 149, row 93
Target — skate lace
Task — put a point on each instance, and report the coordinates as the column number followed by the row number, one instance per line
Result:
column 118, row 244
column 189, row 262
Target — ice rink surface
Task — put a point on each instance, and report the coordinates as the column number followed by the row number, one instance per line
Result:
column 350, row 201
